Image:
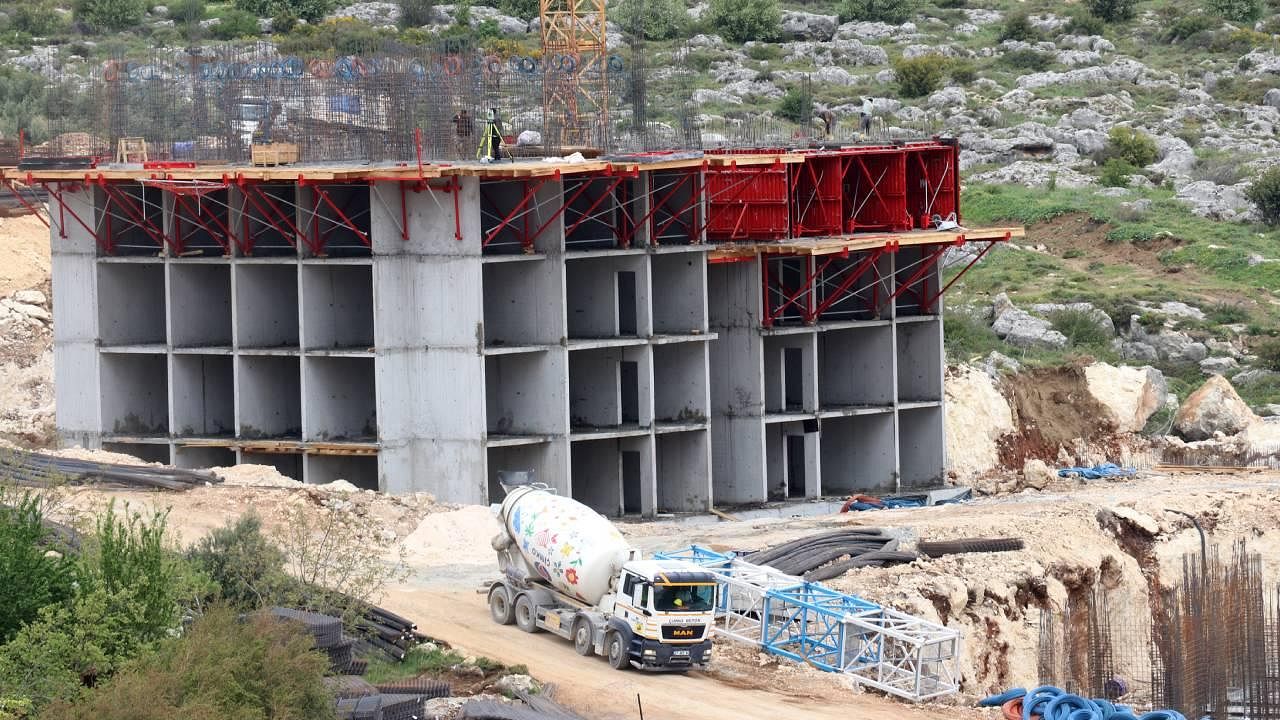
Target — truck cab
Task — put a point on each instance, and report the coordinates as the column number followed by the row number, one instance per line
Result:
column 663, row 612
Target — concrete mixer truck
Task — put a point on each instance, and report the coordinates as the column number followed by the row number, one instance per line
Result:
column 567, row 570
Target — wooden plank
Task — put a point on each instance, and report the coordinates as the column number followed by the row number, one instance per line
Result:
column 855, row 243
column 724, row 515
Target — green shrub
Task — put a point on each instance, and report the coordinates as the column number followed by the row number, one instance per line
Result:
column 763, row 52
column 416, row 13
column 796, row 106
column 187, row 11
column 1111, row 10
column 1132, row 146
column 1085, row 23
column 1236, row 10
column 247, row 568
column 109, row 15
column 313, row 11
column 523, row 9
column 39, row 19
column 742, row 20
column 1116, row 172
column 657, row 19
column 1073, row 253
column 1188, row 24
column 919, row 76
column 71, row 646
column 1027, row 59
column 1017, row 26
column 29, row 579
column 1265, row 193
column 962, row 72
column 1218, row 168
column 1227, row 314
column 1268, row 353
column 127, row 556
column 236, row 24
column 284, row 22
column 951, row 4
column 965, row 337
column 1080, row 327
column 259, row 669
column 894, row 12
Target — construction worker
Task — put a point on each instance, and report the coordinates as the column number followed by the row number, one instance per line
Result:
column 464, row 128
column 868, row 108
column 828, row 119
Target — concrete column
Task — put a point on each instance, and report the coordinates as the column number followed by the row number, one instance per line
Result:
column 429, row 334
column 75, row 299
column 737, row 383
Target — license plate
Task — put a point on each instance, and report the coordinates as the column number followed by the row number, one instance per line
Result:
column 682, row 653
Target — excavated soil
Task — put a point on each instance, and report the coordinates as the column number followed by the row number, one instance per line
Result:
column 1053, row 409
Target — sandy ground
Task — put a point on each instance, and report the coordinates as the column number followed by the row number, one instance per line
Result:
column 24, row 254
column 1114, row 535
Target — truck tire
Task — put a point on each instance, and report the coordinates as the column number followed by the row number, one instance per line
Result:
column 582, row 636
column 500, row 605
column 615, row 650
column 526, row 614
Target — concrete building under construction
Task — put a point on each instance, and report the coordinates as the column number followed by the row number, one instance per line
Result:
column 649, row 331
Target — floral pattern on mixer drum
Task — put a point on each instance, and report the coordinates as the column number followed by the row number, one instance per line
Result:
column 555, row 553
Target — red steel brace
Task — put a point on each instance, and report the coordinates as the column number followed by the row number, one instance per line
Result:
column 926, row 264
column 64, row 210
column 342, row 216
column 222, row 235
column 861, row 268
column 11, row 185
column 527, row 240
column 136, row 214
column 252, row 193
column 974, row 261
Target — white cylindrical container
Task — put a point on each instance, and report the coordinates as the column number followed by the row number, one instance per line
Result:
column 574, row 548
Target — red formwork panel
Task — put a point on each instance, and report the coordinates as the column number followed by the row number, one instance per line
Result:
column 747, row 203
column 933, row 181
column 816, row 195
column 875, row 191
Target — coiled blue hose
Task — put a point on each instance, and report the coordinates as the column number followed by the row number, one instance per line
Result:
column 1052, row 703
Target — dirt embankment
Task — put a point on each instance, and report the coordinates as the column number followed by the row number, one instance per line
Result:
column 1053, row 409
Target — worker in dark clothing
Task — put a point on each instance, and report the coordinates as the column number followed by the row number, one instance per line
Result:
column 828, row 119
column 464, row 128
column 491, row 142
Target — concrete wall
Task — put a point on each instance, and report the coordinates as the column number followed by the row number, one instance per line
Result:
column 75, row 334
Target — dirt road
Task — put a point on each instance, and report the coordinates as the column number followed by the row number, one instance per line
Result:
column 601, row 693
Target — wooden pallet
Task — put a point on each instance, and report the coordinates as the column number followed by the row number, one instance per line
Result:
column 274, row 154
column 132, row 150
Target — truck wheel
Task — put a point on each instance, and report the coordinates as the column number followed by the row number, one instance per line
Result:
column 500, row 605
column 616, row 651
column 526, row 614
column 582, row 637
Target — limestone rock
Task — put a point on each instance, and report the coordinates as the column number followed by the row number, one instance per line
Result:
column 1021, row 328
column 948, row 97
column 1272, row 98
column 514, row 684
column 1033, row 174
column 1217, row 202
column 1218, row 365
column 378, row 14
column 996, row 364
column 809, row 26
column 1037, row 474
column 1214, row 408
column 977, row 414
column 1132, row 394
column 1096, row 314
column 1253, row 376
column 31, row 297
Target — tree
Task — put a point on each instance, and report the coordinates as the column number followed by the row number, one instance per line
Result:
column 310, row 10
column 1265, row 193
column 743, row 20
column 260, row 669
column 110, row 15
column 1132, row 146
column 894, row 12
column 30, row 577
column 1111, row 10
column 416, row 13
column 919, row 76
column 797, row 106
column 236, row 24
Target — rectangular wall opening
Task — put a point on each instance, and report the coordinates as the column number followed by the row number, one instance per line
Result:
column 920, row 361
column 270, row 397
column 203, row 396
column 338, row 310
column 267, row 305
column 131, row 303
column 269, row 220
column 135, row 394
column 591, row 214
column 785, row 291
column 793, row 379
column 631, row 493
column 545, row 459
column 919, row 276
column 859, row 455
column 610, row 388
column 795, row 465
column 855, row 368
column 853, row 288
column 789, row 375
column 680, row 308
column 287, row 464
column 626, row 303
column 341, row 399
column 199, row 458
column 146, row 452
column 200, row 304
column 630, row 376
column 359, row 470
column 789, row 463
column 342, row 219
column 923, row 447
column 676, row 211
